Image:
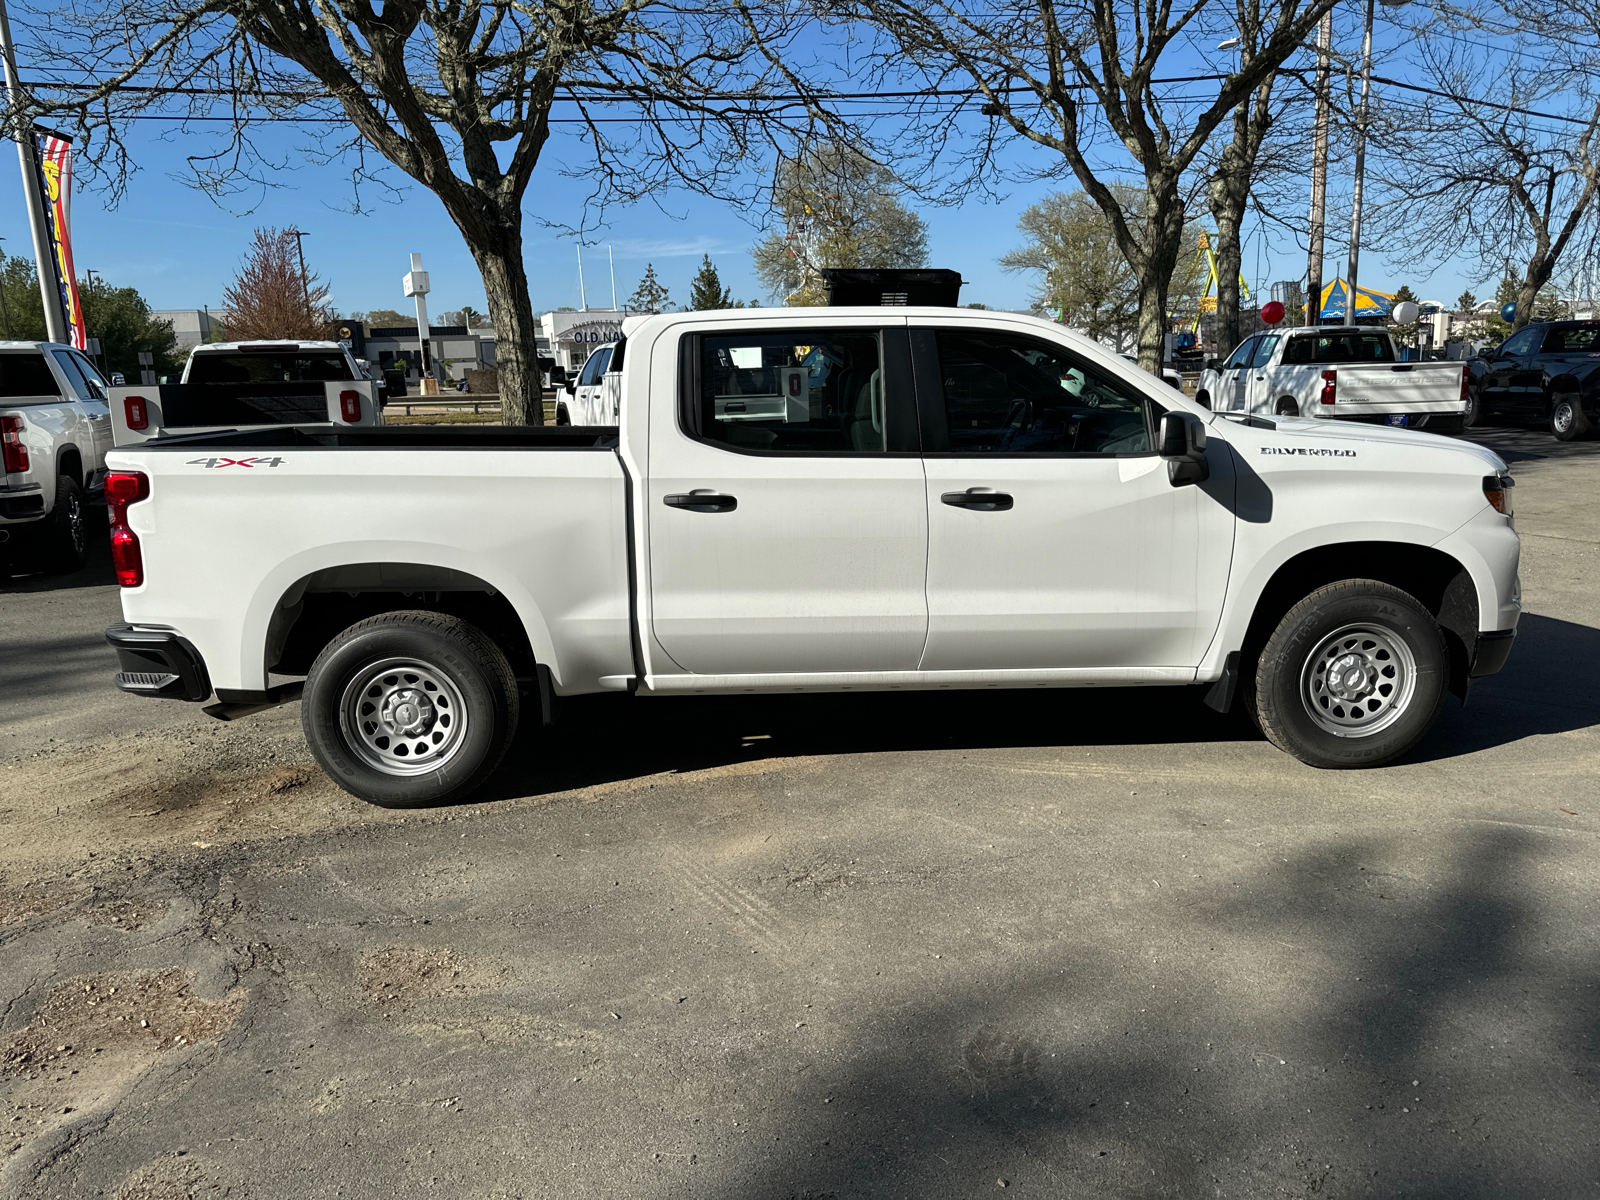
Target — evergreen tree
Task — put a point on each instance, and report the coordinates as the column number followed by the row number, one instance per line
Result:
column 649, row 296
column 706, row 291
column 1466, row 302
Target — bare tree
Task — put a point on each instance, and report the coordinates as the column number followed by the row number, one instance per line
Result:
column 1520, row 190
column 457, row 94
column 270, row 298
column 1049, row 70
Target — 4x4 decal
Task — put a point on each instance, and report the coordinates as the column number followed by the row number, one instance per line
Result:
column 219, row 461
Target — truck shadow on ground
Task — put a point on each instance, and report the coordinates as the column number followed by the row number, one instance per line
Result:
column 1517, row 442
column 20, row 574
column 1440, row 1048
column 1546, row 688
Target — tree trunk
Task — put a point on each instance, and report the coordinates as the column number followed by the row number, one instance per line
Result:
column 1230, row 191
column 1163, row 243
column 505, row 283
column 1537, row 275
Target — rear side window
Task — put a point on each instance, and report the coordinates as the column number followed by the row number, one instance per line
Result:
column 292, row 367
column 1575, row 339
column 26, row 375
column 1264, row 350
column 802, row 391
column 1339, row 348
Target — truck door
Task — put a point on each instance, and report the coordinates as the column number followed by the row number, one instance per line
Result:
column 1235, row 385
column 85, row 379
column 787, row 526
column 1503, row 383
column 1259, row 393
column 1055, row 538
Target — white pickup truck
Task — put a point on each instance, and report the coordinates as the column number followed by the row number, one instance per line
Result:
column 946, row 498
column 244, row 385
column 1346, row 372
column 55, row 429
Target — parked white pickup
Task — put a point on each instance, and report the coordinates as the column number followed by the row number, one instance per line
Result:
column 243, row 385
column 957, row 499
column 1343, row 372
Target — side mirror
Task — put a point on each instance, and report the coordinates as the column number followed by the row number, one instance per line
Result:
column 570, row 387
column 1213, row 364
column 1183, row 446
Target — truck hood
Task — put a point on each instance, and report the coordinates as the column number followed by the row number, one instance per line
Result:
column 1351, row 433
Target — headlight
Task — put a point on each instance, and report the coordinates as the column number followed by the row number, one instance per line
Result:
column 1497, row 491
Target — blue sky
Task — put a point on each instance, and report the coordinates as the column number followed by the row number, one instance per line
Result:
column 181, row 250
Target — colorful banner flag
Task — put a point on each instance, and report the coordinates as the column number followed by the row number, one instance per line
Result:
column 53, row 156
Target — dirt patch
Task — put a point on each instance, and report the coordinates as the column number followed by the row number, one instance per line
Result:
column 127, row 914
column 83, row 1017
column 171, row 1177
column 24, row 904
column 404, row 972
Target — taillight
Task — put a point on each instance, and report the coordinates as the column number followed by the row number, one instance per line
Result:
column 350, row 406
column 135, row 412
column 122, row 489
column 12, row 448
column 1330, row 385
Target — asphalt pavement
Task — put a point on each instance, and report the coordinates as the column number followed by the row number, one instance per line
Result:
column 1098, row 943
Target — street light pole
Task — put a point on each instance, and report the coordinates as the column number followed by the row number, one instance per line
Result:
column 1319, row 175
column 44, row 255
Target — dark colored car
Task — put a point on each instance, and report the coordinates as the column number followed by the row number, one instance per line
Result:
column 1547, row 372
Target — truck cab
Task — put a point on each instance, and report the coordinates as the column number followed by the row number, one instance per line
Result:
column 1548, row 372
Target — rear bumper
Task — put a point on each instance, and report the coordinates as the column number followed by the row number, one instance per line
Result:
column 24, row 503
column 1490, row 652
column 158, row 662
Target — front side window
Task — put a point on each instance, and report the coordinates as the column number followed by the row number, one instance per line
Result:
column 1005, row 394
column 595, row 367
column 1518, row 343
column 80, row 382
column 26, row 374
column 1241, row 354
column 791, row 390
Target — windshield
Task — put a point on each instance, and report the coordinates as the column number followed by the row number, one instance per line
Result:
column 289, row 366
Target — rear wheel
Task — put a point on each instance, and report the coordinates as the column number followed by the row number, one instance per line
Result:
column 1567, row 419
column 64, row 544
column 1353, row 676
column 1288, row 406
column 408, row 709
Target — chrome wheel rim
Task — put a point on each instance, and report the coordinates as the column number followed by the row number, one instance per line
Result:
column 75, row 522
column 1358, row 681
column 403, row 717
column 1562, row 417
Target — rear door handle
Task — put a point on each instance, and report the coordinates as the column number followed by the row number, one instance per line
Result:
column 707, row 502
column 979, row 500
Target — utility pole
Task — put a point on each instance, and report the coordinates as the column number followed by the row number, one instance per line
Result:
column 1319, row 174
column 305, row 280
column 55, row 317
column 1361, row 170
column 583, row 298
column 612, row 255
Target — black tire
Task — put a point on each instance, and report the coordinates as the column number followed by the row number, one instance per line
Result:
column 430, row 682
column 1391, row 673
column 563, row 417
column 1568, row 421
column 1288, row 406
column 1203, row 398
column 64, row 535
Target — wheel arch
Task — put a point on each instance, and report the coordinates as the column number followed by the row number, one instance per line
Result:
column 318, row 606
column 69, row 462
column 1438, row 581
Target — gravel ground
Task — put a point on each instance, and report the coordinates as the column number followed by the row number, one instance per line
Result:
column 1101, row 944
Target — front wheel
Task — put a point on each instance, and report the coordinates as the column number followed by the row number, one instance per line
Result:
column 1353, row 676
column 1567, row 419
column 408, row 709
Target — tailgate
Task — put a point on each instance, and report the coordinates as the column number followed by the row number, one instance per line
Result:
column 141, row 413
column 1372, row 389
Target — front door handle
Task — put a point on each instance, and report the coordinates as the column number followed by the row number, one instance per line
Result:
column 707, row 502
column 979, row 500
